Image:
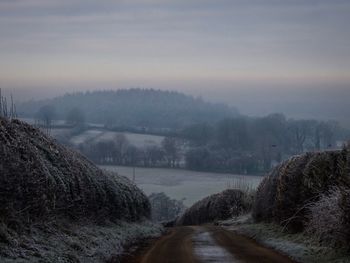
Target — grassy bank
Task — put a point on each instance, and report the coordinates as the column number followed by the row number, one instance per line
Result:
column 57, row 206
column 301, row 247
column 70, row 242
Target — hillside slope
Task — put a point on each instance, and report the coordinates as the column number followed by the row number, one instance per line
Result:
column 47, row 188
column 134, row 107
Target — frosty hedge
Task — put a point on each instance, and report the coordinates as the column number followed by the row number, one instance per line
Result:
column 309, row 192
column 41, row 179
column 224, row 205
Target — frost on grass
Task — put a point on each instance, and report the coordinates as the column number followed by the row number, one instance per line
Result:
column 40, row 178
column 327, row 220
column 285, row 194
column 55, row 202
column 309, row 195
column 299, row 246
column 68, row 242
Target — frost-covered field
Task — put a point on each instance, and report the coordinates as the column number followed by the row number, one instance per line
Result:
column 139, row 140
column 183, row 184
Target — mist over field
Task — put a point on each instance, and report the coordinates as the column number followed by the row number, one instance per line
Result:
column 323, row 101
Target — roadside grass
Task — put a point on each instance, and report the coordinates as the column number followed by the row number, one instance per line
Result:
column 241, row 183
column 300, row 247
column 83, row 242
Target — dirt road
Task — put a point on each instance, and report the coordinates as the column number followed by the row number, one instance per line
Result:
column 206, row 244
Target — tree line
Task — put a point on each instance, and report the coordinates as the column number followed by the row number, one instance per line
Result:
column 142, row 108
column 253, row 145
column 119, row 151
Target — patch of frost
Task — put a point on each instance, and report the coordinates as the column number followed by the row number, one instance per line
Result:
column 207, row 250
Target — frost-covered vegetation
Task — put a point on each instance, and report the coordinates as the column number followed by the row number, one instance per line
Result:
column 44, row 186
column 301, row 247
column 64, row 241
column 40, row 178
column 309, row 193
column 224, row 205
column 136, row 139
column 302, row 208
column 328, row 220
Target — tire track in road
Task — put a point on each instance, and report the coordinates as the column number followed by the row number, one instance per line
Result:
column 206, row 249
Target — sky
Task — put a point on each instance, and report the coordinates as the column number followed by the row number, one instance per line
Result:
column 260, row 55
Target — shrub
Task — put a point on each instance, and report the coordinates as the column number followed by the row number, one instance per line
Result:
column 221, row 206
column 345, row 218
column 324, row 220
column 284, row 195
column 41, row 179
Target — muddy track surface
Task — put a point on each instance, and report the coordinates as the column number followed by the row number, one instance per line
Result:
column 206, row 244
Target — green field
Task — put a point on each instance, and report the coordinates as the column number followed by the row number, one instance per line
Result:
column 190, row 186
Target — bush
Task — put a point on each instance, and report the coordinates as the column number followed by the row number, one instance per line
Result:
column 324, row 220
column 345, row 218
column 41, row 179
column 285, row 194
column 227, row 204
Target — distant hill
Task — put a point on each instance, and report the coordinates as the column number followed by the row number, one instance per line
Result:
column 134, row 107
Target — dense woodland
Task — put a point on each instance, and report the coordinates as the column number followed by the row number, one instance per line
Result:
column 251, row 145
column 136, row 108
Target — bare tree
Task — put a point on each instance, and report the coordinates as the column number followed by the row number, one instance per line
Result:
column 121, row 148
column 45, row 115
column 6, row 112
column 75, row 117
column 171, row 150
column 300, row 130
